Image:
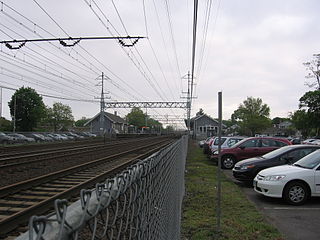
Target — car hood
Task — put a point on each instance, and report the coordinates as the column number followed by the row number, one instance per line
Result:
column 282, row 170
column 250, row 161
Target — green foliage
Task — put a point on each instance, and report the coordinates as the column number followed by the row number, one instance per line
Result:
column 240, row 218
column 5, row 125
column 278, row 120
column 252, row 116
column 137, row 118
column 59, row 116
column 27, row 107
column 228, row 123
column 307, row 119
column 81, row 122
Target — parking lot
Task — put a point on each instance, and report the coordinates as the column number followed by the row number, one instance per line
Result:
column 295, row 222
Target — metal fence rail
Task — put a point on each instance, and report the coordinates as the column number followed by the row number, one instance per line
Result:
column 143, row 202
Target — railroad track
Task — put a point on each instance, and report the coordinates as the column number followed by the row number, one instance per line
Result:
column 7, row 149
column 22, row 200
column 23, row 159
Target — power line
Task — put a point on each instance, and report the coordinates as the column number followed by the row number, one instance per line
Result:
column 195, row 19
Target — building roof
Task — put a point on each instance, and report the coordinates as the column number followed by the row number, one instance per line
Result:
column 196, row 118
column 112, row 117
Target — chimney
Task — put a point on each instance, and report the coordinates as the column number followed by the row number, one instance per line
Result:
column 115, row 113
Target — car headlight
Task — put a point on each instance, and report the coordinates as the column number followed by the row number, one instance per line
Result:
column 274, row 177
column 215, row 152
column 245, row 167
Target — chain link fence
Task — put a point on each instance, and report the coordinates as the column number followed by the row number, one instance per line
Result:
column 143, row 202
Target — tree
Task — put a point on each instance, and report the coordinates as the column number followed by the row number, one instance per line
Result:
column 59, row 116
column 136, row 117
column 5, row 125
column 81, row 122
column 201, row 112
column 302, row 121
column 310, row 102
column 278, row 120
column 313, row 67
column 252, row 116
column 26, row 109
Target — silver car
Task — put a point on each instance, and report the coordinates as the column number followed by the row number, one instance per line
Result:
column 226, row 142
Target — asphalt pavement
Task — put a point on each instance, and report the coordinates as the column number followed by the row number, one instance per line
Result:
column 294, row 222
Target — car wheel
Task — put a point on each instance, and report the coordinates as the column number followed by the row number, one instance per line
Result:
column 227, row 162
column 296, row 193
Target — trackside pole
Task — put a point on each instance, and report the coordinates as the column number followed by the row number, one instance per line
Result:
column 219, row 165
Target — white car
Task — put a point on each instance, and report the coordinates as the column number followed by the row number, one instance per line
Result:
column 226, row 142
column 294, row 183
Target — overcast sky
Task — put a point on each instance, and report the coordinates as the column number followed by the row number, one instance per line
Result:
column 244, row 48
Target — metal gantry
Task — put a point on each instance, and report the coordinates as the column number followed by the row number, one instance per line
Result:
column 183, row 105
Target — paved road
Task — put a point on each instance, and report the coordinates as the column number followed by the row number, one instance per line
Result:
column 295, row 222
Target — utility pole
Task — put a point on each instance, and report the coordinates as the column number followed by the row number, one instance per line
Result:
column 102, row 106
column 0, row 101
column 14, row 113
column 189, row 100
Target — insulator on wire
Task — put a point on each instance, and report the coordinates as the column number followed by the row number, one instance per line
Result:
column 8, row 45
column 128, row 44
column 63, row 43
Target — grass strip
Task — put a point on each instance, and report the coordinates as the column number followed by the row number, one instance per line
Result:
column 240, row 219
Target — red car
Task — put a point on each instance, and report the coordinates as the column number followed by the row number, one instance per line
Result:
column 248, row 148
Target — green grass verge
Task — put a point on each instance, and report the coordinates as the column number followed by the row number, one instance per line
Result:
column 240, row 219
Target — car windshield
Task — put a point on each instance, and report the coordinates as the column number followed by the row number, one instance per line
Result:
column 239, row 143
column 276, row 152
column 216, row 141
column 310, row 161
column 233, row 141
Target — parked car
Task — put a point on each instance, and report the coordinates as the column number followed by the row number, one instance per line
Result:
column 60, row 137
column 69, row 137
column 45, row 137
column 206, row 144
column 247, row 169
column 5, row 139
column 53, row 136
column 77, row 136
column 35, row 136
column 226, row 142
column 19, row 138
column 296, row 141
column 248, row 148
column 309, row 141
column 201, row 142
column 90, row 134
column 294, row 183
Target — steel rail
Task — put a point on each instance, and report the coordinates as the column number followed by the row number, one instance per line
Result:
column 63, row 152
column 9, row 223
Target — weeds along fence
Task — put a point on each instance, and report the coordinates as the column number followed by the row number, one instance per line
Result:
column 143, row 202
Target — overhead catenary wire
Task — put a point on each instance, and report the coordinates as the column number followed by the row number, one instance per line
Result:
column 122, row 22
column 45, row 31
column 132, row 58
column 139, row 54
column 172, row 38
column 92, row 64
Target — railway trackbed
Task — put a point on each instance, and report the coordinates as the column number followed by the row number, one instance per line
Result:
column 33, row 197
column 21, row 159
